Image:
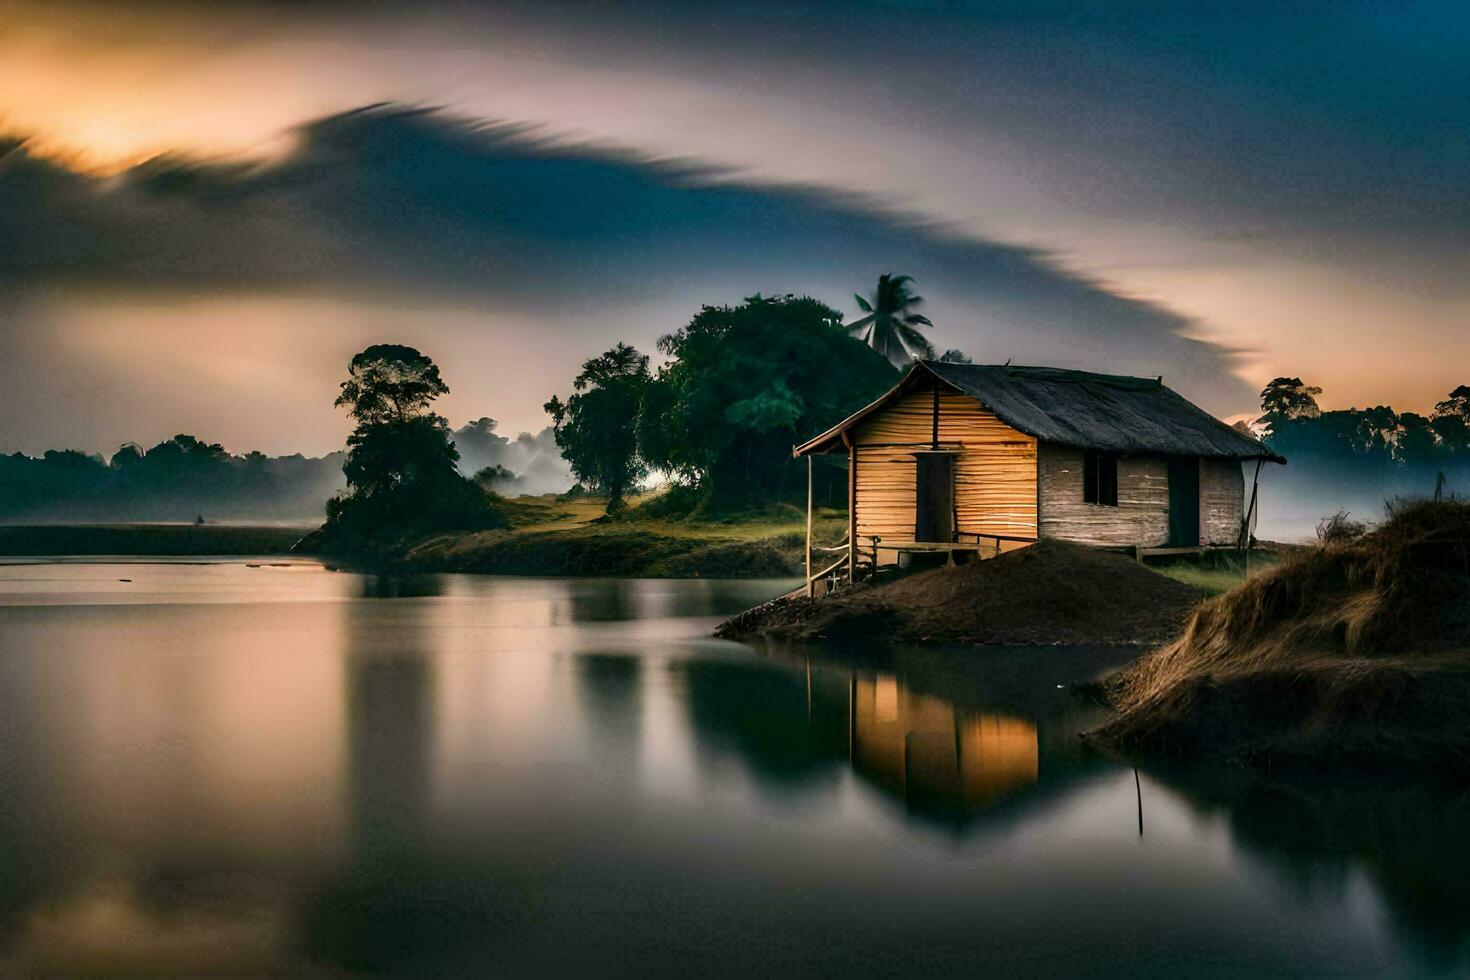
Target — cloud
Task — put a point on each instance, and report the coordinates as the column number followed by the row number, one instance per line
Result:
column 398, row 202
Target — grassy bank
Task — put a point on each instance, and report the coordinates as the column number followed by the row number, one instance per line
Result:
column 1354, row 656
column 1215, row 572
column 549, row 536
column 146, row 539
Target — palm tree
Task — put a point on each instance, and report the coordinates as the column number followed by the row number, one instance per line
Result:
column 890, row 328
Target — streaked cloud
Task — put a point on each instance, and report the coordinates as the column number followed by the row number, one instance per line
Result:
column 393, row 206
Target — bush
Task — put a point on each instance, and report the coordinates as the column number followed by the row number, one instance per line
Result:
column 1339, row 529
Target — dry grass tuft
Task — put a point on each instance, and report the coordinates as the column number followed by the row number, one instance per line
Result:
column 1344, row 642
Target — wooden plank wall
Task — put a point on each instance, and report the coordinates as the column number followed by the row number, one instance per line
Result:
column 995, row 474
column 1142, row 514
column 1221, row 500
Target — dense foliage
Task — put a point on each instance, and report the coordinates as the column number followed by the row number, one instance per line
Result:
column 401, row 467
column 596, row 428
column 742, row 385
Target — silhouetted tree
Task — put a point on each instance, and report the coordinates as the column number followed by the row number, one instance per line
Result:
column 955, row 356
column 401, row 465
column 891, row 326
column 596, row 427
column 1416, row 441
column 1451, row 421
column 490, row 477
column 128, row 454
column 1288, row 399
column 390, row 383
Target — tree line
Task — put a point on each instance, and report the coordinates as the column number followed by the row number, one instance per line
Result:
column 1356, row 459
column 186, row 477
column 1296, row 426
column 177, row 479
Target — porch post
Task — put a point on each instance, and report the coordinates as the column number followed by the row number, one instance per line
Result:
column 811, row 588
column 852, row 553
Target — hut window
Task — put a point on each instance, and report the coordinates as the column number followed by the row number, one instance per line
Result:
column 1100, row 478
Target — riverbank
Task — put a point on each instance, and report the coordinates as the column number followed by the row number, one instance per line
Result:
column 1048, row 593
column 171, row 540
column 1351, row 657
column 575, row 537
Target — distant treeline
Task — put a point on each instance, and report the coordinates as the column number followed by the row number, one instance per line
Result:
column 183, row 478
column 176, row 480
column 1355, row 459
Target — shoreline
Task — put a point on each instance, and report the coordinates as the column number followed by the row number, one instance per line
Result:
column 143, row 540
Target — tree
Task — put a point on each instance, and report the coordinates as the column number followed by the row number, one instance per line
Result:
column 1415, row 442
column 490, row 477
column 1377, row 429
column 890, row 327
column 401, row 466
column 742, row 385
column 597, row 426
column 128, row 454
column 390, row 383
column 1286, row 400
column 1451, row 420
column 955, row 356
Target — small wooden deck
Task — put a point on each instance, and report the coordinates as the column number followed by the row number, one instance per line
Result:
column 866, row 555
column 989, row 544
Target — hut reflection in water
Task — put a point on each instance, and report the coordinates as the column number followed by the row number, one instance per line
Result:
column 934, row 754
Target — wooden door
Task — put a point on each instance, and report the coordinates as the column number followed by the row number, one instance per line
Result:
column 934, row 497
column 1183, row 501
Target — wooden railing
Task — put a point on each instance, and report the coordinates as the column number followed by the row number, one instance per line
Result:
column 869, row 556
column 840, row 563
column 838, row 566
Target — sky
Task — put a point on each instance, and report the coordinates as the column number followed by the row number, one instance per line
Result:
column 207, row 208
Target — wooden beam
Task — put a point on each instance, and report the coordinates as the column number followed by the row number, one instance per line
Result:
column 934, row 439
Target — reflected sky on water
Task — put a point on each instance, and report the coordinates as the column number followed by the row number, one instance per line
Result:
column 236, row 769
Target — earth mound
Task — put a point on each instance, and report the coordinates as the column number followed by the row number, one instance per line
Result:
column 1049, row 592
column 1355, row 656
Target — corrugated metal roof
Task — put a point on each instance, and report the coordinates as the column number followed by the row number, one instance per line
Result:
column 1107, row 412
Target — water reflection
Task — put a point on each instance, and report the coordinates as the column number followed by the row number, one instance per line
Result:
column 1320, row 839
column 946, row 751
column 611, row 690
column 279, row 771
column 400, row 586
column 390, row 730
column 943, row 761
column 934, row 755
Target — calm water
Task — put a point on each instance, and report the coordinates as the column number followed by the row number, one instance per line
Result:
column 248, row 770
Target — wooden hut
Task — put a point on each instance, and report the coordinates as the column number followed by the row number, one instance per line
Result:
column 970, row 457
